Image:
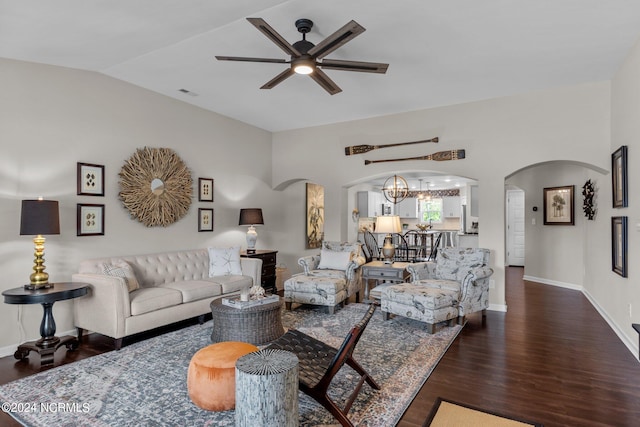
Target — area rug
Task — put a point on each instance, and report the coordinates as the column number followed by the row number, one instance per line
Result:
column 144, row 384
column 447, row 413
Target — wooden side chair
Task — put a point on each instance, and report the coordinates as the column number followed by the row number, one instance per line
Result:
column 434, row 248
column 371, row 243
column 319, row 363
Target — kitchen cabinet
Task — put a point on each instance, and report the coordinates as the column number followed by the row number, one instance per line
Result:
column 451, row 207
column 370, row 204
column 408, row 208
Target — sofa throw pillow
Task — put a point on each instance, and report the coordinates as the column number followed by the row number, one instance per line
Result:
column 224, row 261
column 334, row 260
column 121, row 268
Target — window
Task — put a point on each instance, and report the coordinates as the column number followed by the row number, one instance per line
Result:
column 431, row 210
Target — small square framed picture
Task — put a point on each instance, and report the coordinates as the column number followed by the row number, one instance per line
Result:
column 205, row 219
column 90, row 220
column 205, row 192
column 90, row 179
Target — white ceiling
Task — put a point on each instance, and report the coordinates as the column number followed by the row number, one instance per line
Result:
column 440, row 52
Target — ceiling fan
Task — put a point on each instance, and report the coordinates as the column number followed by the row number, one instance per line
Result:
column 305, row 55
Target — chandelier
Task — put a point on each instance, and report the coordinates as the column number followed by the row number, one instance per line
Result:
column 395, row 189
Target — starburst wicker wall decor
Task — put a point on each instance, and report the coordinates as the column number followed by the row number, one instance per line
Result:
column 156, row 186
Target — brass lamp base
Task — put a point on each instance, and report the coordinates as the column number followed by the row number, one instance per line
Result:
column 39, row 279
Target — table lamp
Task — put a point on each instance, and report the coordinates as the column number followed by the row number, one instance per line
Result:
column 39, row 217
column 388, row 224
column 251, row 217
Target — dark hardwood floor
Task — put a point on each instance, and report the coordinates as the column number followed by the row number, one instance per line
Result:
column 551, row 358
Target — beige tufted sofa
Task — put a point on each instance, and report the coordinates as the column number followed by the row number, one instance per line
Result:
column 174, row 286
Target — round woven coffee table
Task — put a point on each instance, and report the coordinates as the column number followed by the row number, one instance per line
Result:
column 256, row 325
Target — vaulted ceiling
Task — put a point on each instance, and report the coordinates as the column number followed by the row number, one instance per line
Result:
column 440, row 52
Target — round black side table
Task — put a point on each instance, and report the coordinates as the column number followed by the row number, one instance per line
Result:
column 49, row 343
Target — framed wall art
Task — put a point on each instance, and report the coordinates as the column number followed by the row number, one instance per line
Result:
column 205, row 219
column 90, row 220
column 90, row 179
column 619, row 177
column 205, row 190
column 315, row 215
column 619, row 245
column 558, row 205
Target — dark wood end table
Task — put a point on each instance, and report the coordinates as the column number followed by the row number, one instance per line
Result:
column 268, row 273
column 49, row 343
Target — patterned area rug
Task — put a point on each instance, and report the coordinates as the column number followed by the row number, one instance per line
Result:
column 144, row 384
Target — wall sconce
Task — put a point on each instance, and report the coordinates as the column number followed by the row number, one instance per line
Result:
column 251, row 217
column 39, row 217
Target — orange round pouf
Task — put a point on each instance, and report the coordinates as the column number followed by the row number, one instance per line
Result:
column 211, row 379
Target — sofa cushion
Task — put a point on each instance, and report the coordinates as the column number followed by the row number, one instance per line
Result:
column 121, row 268
column 224, row 261
column 233, row 283
column 452, row 285
column 146, row 300
column 194, row 290
column 334, row 260
column 334, row 274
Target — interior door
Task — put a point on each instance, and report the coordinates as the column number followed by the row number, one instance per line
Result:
column 515, row 227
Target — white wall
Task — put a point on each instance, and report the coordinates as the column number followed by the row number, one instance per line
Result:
column 500, row 136
column 615, row 295
column 51, row 118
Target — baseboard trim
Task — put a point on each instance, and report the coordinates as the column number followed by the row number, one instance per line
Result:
column 553, row 283
column 498, row 307
column 630, row 344
column 10, row 349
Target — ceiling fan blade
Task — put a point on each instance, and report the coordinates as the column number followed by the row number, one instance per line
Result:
column 248, row 59
column 273, row 35
column 365, row 67
column 323, row 80
column 337, row 39
column 278, row 79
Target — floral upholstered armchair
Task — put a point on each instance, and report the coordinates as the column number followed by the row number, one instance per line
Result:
column 464, row 270
column 329, row 278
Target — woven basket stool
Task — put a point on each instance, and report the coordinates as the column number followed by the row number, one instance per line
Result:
column 211, row 379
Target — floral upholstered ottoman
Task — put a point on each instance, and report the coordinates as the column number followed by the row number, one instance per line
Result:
column 419, row 302
column 325, row 287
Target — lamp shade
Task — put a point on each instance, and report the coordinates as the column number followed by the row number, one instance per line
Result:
column 39, row 217
column 251, row 217
column 388, row 224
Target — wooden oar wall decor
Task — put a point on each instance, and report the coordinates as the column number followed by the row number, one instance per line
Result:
column 361, row 149
column 438, row 157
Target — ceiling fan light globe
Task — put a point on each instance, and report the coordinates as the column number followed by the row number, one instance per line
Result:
column 303, row 69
